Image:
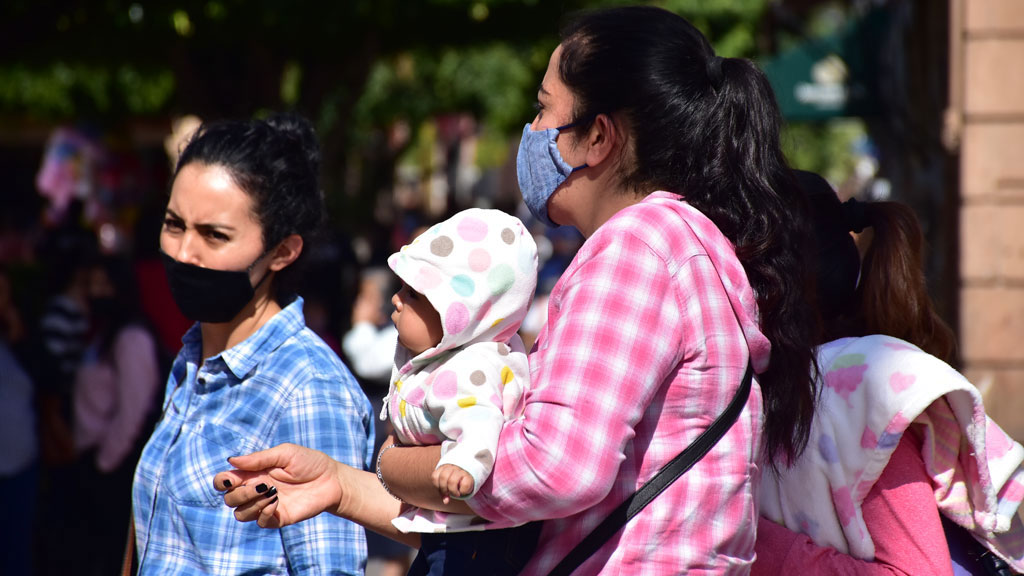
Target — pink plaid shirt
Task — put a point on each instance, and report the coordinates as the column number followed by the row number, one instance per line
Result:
column 646, row 343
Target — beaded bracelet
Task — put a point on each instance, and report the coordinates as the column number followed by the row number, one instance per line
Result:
column 380, row 476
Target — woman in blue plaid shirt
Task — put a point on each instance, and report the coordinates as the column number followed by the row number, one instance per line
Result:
column 244, row 201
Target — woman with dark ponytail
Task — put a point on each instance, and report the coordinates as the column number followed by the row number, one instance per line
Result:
column 666, row 158
column 883, row 290
column 892, row 485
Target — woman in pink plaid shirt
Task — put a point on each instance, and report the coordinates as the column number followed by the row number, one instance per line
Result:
column 666, row 157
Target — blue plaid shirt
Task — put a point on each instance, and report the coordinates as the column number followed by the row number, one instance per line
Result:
column 282, row 384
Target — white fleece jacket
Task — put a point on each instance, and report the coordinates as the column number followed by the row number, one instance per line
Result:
column 479, row 271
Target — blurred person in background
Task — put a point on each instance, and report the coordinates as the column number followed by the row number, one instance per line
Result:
column 19, row 450
column 370, row 344
column 60, row 338
column 116, row 405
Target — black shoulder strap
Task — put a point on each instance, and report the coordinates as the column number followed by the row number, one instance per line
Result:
column 656, row 485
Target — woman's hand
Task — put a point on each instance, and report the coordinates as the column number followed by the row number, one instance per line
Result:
column 289, row 483
column 281, row 486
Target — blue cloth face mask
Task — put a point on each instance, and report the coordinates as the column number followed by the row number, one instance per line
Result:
column 541, row 169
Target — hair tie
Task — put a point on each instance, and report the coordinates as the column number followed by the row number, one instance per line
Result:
column 856, row 215
column 714, row 71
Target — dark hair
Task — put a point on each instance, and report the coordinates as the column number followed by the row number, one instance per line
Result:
column 277, row 162
column 67, row 251
column 891, row 296
column 836, row 262
column 708, row 128
column 120, row 271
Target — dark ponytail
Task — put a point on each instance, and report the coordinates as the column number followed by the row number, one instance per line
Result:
column 277, row 163
column 894, row 293
column 888, row 292
column 708, row 128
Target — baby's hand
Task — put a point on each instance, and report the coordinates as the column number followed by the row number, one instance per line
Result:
column 450, row 480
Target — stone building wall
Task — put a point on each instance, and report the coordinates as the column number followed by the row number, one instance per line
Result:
column 987, row 85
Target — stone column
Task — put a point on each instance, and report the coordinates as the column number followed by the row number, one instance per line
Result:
column 987, row 68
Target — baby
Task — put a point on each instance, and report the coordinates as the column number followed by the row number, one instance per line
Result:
column 460, row 366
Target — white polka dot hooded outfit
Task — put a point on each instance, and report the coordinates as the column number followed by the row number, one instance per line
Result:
column 478, row 269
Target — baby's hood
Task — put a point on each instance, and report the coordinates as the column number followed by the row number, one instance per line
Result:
column 478, row 269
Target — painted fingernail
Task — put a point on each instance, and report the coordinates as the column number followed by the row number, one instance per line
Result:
column 227, row 483
column 272, row 501
column 261, row 488
column 271, row 492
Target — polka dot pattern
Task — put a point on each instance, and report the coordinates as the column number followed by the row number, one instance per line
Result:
column 427, row 279
column 416, row 397
column 485, row 457
column 501, row 278
column 441, row 246
column 479, row 260
column 446, row 385
column 472, row 229
column 469, row 266
column 463, row 285
column 456, row 318
column 478, row 270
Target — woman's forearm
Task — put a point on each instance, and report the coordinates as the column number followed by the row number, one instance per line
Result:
column 365, row 502
column 407, row 470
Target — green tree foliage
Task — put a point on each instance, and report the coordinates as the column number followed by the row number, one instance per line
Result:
column 825, row 148
column 357, row 67
column 221, row 57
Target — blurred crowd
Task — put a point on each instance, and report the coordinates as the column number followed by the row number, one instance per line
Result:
column 88, row 330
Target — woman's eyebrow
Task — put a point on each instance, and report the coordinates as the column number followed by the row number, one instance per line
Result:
column 213, row 227
column 204, row 226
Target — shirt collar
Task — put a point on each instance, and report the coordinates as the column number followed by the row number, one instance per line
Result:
column 662, row 194
column 243, row 357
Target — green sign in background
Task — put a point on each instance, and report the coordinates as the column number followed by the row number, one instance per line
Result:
column 832, row 76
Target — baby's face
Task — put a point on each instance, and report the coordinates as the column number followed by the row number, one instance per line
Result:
column 418, row 324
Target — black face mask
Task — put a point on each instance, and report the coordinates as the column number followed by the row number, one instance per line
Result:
column 207, row 295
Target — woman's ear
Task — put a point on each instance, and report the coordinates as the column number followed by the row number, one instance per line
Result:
column 602, row 139
column 286, row 252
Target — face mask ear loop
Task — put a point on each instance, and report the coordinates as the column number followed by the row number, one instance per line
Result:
column 253, row 265
column 583, row 120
